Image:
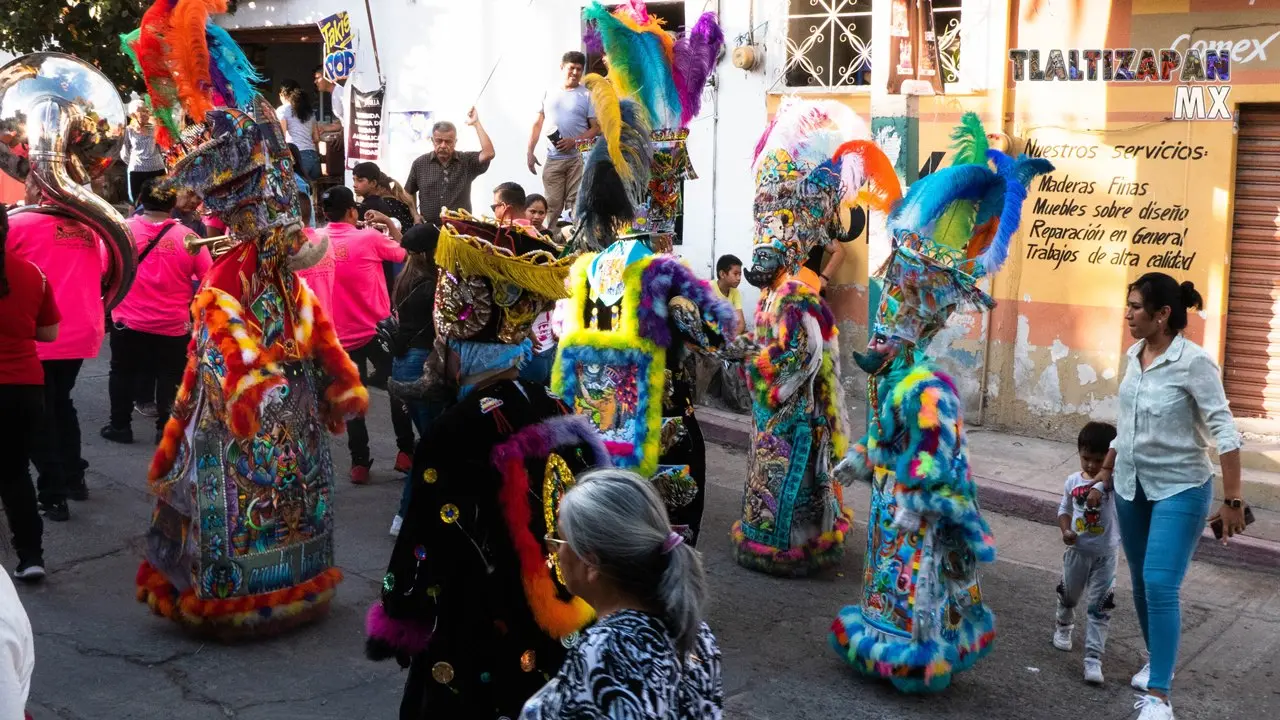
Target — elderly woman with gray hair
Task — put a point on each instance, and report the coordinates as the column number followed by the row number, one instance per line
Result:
column 650, row 655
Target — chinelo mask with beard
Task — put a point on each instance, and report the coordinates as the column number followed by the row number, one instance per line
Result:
column 766, row 264
column 879, row 356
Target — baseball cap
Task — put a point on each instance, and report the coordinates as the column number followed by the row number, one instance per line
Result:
column 336, row 201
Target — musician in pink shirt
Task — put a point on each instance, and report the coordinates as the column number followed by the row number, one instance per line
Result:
column 360, row 301
column 74, row 260
column 152, row 326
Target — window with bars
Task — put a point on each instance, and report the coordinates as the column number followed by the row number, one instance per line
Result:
column 829, row 42
column 946, row 23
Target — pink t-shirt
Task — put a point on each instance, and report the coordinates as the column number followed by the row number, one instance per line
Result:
column 74, row 261
column 360, row 299
column 159, row 302
column 319, row 277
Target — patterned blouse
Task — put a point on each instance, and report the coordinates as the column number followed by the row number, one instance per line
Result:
column 626, row 667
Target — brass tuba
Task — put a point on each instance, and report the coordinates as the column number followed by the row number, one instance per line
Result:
column 72, row 121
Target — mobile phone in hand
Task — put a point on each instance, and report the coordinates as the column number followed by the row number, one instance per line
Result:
column 1216, row 525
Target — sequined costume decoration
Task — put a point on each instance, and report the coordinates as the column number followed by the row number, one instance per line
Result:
column 472, row 603
column 921, row 618
column 241, row 538
column 665, row 76
column 809, row 161
column 632, row 315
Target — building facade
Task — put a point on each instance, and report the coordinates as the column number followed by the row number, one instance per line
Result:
column 1136, row 188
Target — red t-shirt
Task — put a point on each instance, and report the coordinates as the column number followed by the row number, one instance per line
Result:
column 28, row 305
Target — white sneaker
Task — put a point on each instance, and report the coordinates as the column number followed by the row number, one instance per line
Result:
column 396, row 522
column 1140, row 680
column 1093, row 671
column 1062, row 637
column 1153, row 708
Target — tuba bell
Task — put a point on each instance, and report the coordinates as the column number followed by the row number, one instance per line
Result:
column 70, row 120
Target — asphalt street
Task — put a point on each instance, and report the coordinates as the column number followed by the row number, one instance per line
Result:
column 101, row 655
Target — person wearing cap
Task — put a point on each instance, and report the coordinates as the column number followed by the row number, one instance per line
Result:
column 360, row 301
column 414, row 298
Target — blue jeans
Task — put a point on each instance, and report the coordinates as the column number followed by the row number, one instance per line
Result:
column 407, row 368
column 310, row 164
column 538, row 370
column 1170, row 529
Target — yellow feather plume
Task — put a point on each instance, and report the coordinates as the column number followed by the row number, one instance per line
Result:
column 604, row 98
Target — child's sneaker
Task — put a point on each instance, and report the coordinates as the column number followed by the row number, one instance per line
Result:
column 1093, row 671
column 1062, row 637
column 1153, row 708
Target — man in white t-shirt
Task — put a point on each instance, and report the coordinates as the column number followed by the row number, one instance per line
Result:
column 572, row 119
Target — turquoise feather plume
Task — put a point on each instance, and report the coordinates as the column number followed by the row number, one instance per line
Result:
column 930, row 197
column 233, row 64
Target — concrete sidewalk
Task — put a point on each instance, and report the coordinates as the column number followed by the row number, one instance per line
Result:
column 1023, row 477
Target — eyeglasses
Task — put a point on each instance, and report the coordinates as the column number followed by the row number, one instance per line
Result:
column 494, row 207
column 553, row 543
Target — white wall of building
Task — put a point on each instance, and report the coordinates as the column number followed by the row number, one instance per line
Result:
column 436, row 55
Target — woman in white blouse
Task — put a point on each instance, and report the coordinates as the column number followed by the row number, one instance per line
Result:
column 297, row 119
column 1171, row 403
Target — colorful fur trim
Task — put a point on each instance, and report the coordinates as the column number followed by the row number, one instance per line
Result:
column 822, row 551
column 554, row 615
column 794, row 302
column 910, row 665
column 623, row 345
column 933, row 471
column 237, row 615
column 663, row 277
column 253, row 371
column 386, row 636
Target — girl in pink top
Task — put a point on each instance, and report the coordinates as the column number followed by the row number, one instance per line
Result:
column 151, row 327
column 74, row 259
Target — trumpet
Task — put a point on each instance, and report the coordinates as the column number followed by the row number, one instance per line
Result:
column 218, row 245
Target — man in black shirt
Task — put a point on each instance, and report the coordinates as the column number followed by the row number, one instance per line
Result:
column 442, row 178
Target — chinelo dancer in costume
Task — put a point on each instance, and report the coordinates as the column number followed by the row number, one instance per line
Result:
column 634, row 309
column 241, row 539
column 807, row 162
column 665, row 75
column 472, row 602
column 922, row 619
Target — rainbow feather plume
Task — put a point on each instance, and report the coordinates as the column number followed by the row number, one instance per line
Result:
column 867, row 175
column 931, row 196
column 238, row 74
column 810, row 131
column 695, row 58
column 640, row 59
column 607, row 200
column 1013, row 177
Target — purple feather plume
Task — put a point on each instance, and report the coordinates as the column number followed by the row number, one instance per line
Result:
column 695, row 58
column 665, row 278
column 592, row 41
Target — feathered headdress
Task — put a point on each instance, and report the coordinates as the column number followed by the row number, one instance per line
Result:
column 663, row 73
column 810, row 158
column 615, row 176
column 219, row 136
column 952, row 228
column 189, row 64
